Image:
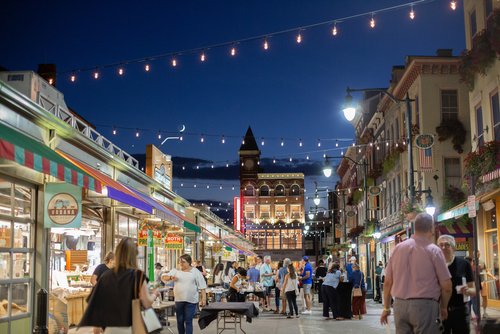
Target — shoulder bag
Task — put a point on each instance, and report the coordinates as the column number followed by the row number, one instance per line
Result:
column 144, row 321
column 356, row 292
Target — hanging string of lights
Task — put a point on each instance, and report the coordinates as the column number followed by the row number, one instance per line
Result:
column 232, row 46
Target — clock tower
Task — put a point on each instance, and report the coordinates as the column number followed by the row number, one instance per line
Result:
column 249, row 158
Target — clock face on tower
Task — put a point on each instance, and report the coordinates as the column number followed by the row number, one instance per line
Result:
column 249, row 163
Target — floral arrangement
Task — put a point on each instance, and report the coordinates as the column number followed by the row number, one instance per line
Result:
column 478, row 59
column 455, row 130
column 355, row 231
column 390, row 161
column 452, row 196
column 484, row 160
column 408, row 211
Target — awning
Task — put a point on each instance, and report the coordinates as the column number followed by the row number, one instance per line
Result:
column 390, row 235
column 192, row 227
column 455, row 212
column 30, row 153
column 162, row 211
column 241, row 250
column 116, row 190
column 458, row 229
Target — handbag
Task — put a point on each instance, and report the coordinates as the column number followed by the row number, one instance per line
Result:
column 356, row 292
column 144, row 321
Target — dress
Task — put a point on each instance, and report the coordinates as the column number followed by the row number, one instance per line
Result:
column 109, row 304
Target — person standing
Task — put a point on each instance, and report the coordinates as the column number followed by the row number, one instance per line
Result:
column 418, row 278
column 348, row 267
column 109, row 304
column 199, row 265
column 266, row 278
column 277, row 287
column 281, row 275
column 320, row 273
column 378, row 281
column 291, row 290
column 189, row 284
column 358, row 282
column 235, row 287
column 329, row 292
column 109, row 262
column 458, row 321
column 218, row 274
column 229, row 273
column 306, row 280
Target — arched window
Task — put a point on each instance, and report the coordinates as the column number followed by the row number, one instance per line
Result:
column 295, row 190
column 264, row 190
column 249, row 191
column 279, row 190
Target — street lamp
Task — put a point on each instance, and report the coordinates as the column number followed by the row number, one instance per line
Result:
column 348, row 104
column 377, row 233
column 430, row 208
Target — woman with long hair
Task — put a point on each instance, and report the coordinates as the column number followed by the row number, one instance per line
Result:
column 329, row 292
column 110, row 303
column 236, row 286
column 189, row 284
column 358, row 302
column 218, row 273
column 291, row 291
column 229, row 273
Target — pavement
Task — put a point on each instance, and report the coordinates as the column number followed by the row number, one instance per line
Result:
column 270, row 323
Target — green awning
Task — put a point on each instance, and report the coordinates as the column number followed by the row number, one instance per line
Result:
column 33, row 154
column 229, row 249
column 192, row 227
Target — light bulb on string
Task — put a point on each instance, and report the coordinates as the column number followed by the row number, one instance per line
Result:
column 208, row 187
column 319, row 143
column 371, row 144
column 227, row 165
column 453, row 5
column 266, row 45
column 194, row 186
column 342, row 152
column 274, row 161
column 336, row 144
column 159, row 135
column 299, row 38
column 233, row 51
column 223, row 140
column 334, row 30
column 203, row 57
column 300, row 142
column 182, row 184
column 121, row 71
column 147, row 67
column 202, row 139
column 324, row 155
column 387, row 144
column 220, row 187
column 183, row 167
column 197, row 167
column 181, row 138
column 262, row 142
column 96, row 74
column 232, row 188
column 114, row 131
column 212, row 166
column 290, row 159
column 243, row 141
column 73, row 78
column 307, row 157
column 137, row 133
column 372, row 22
column 258, row 162
column 174, row 62
column 282, row 142
column 359, row 150
column 412, row 13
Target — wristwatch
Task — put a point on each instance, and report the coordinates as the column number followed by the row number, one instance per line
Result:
column 387, row 310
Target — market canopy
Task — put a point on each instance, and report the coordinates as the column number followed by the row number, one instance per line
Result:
column 115, row 190
column 17, row 147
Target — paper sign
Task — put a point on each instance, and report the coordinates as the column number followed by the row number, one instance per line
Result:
column 471, row 206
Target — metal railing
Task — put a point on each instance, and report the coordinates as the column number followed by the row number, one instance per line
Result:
column 83, row 128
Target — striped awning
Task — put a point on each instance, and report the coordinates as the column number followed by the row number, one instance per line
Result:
column 17, row 147
column 115, row 189
column 458, row 229
column 161, row 211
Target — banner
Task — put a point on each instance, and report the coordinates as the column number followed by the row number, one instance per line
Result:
column 174, row 241
column 142, row 237
column 157, row 238
column 63, row 205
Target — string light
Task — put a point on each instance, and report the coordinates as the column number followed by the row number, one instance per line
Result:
column 203, row 57
column 266, row 45
column 121, row 71
column 114, row 131
column 282, row 142
column 73, row 78
column 319, row 143
column 174, row 62
column 300, row 142
column 453, row 5
column 290, row 159
column 334, row 30
column 412, row 13
column 202, row 139
column 223, row 140
column 96, row 74
column 243, row 141
column 159, row 135
column 147, row 67
column 233, row 51
column 372, row 22
column 336, row 143
column 51, row 81
column 137, row 133
column 227, row 165
column 307, row 157
column 299, row 38
column 262, row 142
column 274, row 161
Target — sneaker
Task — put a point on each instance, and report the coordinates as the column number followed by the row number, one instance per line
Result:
column 289, row 317
column 297, row 316
column 307, row 312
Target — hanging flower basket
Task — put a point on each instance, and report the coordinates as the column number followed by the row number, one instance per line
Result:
column 484, row 160
column 478, row 59
column 355, row 231
column 455, row 130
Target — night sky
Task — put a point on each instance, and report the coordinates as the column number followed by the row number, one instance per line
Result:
column 290, row 91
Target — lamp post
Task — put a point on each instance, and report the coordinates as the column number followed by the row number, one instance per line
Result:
column 350, row 112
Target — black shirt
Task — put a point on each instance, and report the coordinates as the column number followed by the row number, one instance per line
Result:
column 99, row 270
column 320, row 272
column 111, row 299
column 459, row 268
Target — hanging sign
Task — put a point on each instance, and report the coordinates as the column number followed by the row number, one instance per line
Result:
column 228, row 255
column 424, row 141
column 142, row 238
column 374, row 190
column 157, row 238
column 174, row 241
column 159, row 166
column 63, row 205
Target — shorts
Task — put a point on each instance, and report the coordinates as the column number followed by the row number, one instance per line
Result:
column 268, row 290
column 307, row 288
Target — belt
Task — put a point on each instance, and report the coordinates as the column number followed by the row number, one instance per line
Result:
column 419, row 299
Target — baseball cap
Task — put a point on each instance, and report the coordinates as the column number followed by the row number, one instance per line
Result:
column 305, row 258
column 158, row 265
column 353, row 258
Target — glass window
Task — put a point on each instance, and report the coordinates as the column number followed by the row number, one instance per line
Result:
column 295, row 211
column 249, row 191
column 452, row 172
column 280, row 212
column 264, row 191
column 473, row 23
column 449, row 104
column 488, row 7
column 250, row 211
column 279, row 191
column 122, row 227
column 16, row 242
column 265, row 212
column 295, row 190
column 490, row 219
column 492, row 265
column 495, row 110
column 479, row 126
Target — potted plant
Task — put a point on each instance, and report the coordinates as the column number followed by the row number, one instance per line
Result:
column 454, row 129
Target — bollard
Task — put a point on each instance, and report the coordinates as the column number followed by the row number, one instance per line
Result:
column 41, row 313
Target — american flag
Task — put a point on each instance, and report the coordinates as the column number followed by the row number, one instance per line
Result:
column 425, row 159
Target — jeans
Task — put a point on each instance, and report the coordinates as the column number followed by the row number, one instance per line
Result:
column 291, row 298
column 184, row 313
column 277, row 298
column 457, row 321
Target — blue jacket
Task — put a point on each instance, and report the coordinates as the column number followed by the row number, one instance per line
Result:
column 358, row 279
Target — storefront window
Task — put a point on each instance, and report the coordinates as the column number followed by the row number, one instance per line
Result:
column 16, row 250
column 492, row 265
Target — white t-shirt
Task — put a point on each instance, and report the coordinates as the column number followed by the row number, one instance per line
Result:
column 187, row 285
column 218, row 277
column 291, row 284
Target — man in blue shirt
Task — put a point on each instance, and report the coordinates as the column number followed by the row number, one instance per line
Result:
column 253, row 275
column 306, row 279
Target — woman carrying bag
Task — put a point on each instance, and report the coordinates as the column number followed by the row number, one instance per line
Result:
column 110, row 303
column 358, row 292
